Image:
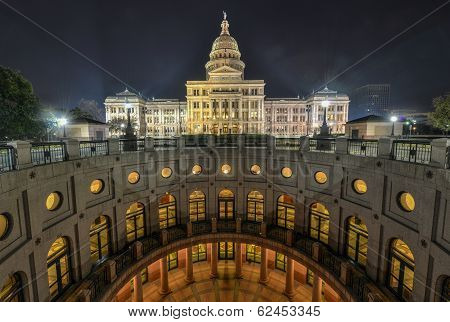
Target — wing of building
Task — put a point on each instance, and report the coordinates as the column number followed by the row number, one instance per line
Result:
column 226, row 102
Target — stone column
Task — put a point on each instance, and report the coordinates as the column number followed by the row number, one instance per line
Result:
column 263, row 267
column 317, row 289
column 213, row 273
column 289, row 289
column 238, row 261
column 189, row 278
column 138, row 295
column 164, row 276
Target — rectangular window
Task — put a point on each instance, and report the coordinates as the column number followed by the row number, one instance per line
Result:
column 199, row 253
column 172, row 261
column 280, row 262
column 253, row 253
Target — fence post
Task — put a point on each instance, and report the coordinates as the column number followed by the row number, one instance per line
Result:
column 149, row 144
column 113, row 146
column 385, row 147
column 214, row 225
column 341, row 145
column 316, row 251
column 189, row 229
column 238, row 225
column 345, row 273
column 23, row 154
column 164, row 237
column 110, row 271
column 264, row 229
column 72, row 149
column 271, row 143
column 440, row 154
column 304, row 144
column 137, row 250
column 289, row 237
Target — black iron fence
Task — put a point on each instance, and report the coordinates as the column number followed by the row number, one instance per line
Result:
column 367, row 148
column 126, row 145
column 251, row 227
column 358, row 284
column 303, row 243
column 162, row 144
column 277, row 233
column 287, row 143
column 7, row 158
column 226, row 226
column 330, row 261
column 48, row 152
column 93, row 148
column 149, row 244
column 228, row 140
column 201, row 227
column 124, row 260
column 322, row 145
column 98, row 281
column 175, row 233
column 256, row 141
column 195, row 141
column 411, row 151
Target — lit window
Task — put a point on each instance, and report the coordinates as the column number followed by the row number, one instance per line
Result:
column 320, row 177
column 172, row 261
column 255, row 206
column 226, row 204
column 319, row 222
column 99, row 239
column 226, row 250
column 135, row 222
column 58, row 267
column 167, row 211
column 4, row 225
column 197, row 169
column 199, row 253
column 255, row 169
column 401, row 270
column 285, row 212
column 359, row 186
column 12, row 290
column 197, row 206
column 356, row 241
column 133, row 177
column 406, row 201
column 226, row 169
column 54, row 201
column 253, row 253
column 166, row 172
column 280, row 262
column 97, row 186
column 286, row 172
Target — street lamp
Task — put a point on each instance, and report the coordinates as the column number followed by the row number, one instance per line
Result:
column 393, row 120
column 62, row 122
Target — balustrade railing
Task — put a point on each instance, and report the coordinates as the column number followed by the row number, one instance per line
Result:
column 303, row 243
column 126, row 145
column 149, row 244
column 367, row 148
column 227, row 140
column 330, row 261
column 93, row 148
column 358, row 284
column 124, row 260
column 251, row 227
column 162, row 144
column 226, row 226
column 98, row 281
column 48, row 152
column 7, row 158
column 277, row 233
column 256, row 141
column 411, row 151
column 176, row 232
column 287, row 143
column 201, row 227
column 322, row 145
column 195, row 141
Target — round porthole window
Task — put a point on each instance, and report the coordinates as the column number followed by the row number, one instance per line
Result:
column 286, row 172
column 133, row 177
column 359, row 186
column 255, row 169
column 97, row 186
column 226, row 169
column 4, row 225
column 406, row 201
column 320, row 177
column 166, row 172
column 54, row 201
column 197, row 169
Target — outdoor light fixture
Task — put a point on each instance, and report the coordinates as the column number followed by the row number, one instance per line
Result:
column 62, row 122
column 325, row 103
column 393, row 120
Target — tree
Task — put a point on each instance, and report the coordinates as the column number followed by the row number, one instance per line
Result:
column 440, row 118
column 77, row 113
column 91, row 107
column 19, row 108
column 116, row 122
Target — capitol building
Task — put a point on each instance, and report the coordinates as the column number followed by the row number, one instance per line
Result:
column 227, row 103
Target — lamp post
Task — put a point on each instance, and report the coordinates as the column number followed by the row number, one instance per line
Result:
column 62, row 122
column 393, row 120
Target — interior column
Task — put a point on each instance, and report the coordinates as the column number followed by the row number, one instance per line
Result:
column 263, row 267
column 289, row 289
column 238, row 261
column 317, row 289
column 214, row 255
column 189, row 267
column 164, row 276
column 138, row 295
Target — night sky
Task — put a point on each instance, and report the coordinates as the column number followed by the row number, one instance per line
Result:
column 295, row 46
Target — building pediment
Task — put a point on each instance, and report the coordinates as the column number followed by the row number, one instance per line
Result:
column 225, row 71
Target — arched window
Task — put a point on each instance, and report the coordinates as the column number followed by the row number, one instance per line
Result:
column 285, row 212
column 197, row 206
column 356, row 240
column 99, row 239
column 401, row 270
column 12, row 290
column 135, row 222
column 319, row 222
column 58, row 267
column 445, row 292
column 226, row 204
column 255, row 206
column 167, row 211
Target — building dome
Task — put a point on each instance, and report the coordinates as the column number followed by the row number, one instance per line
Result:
column 224, row 51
